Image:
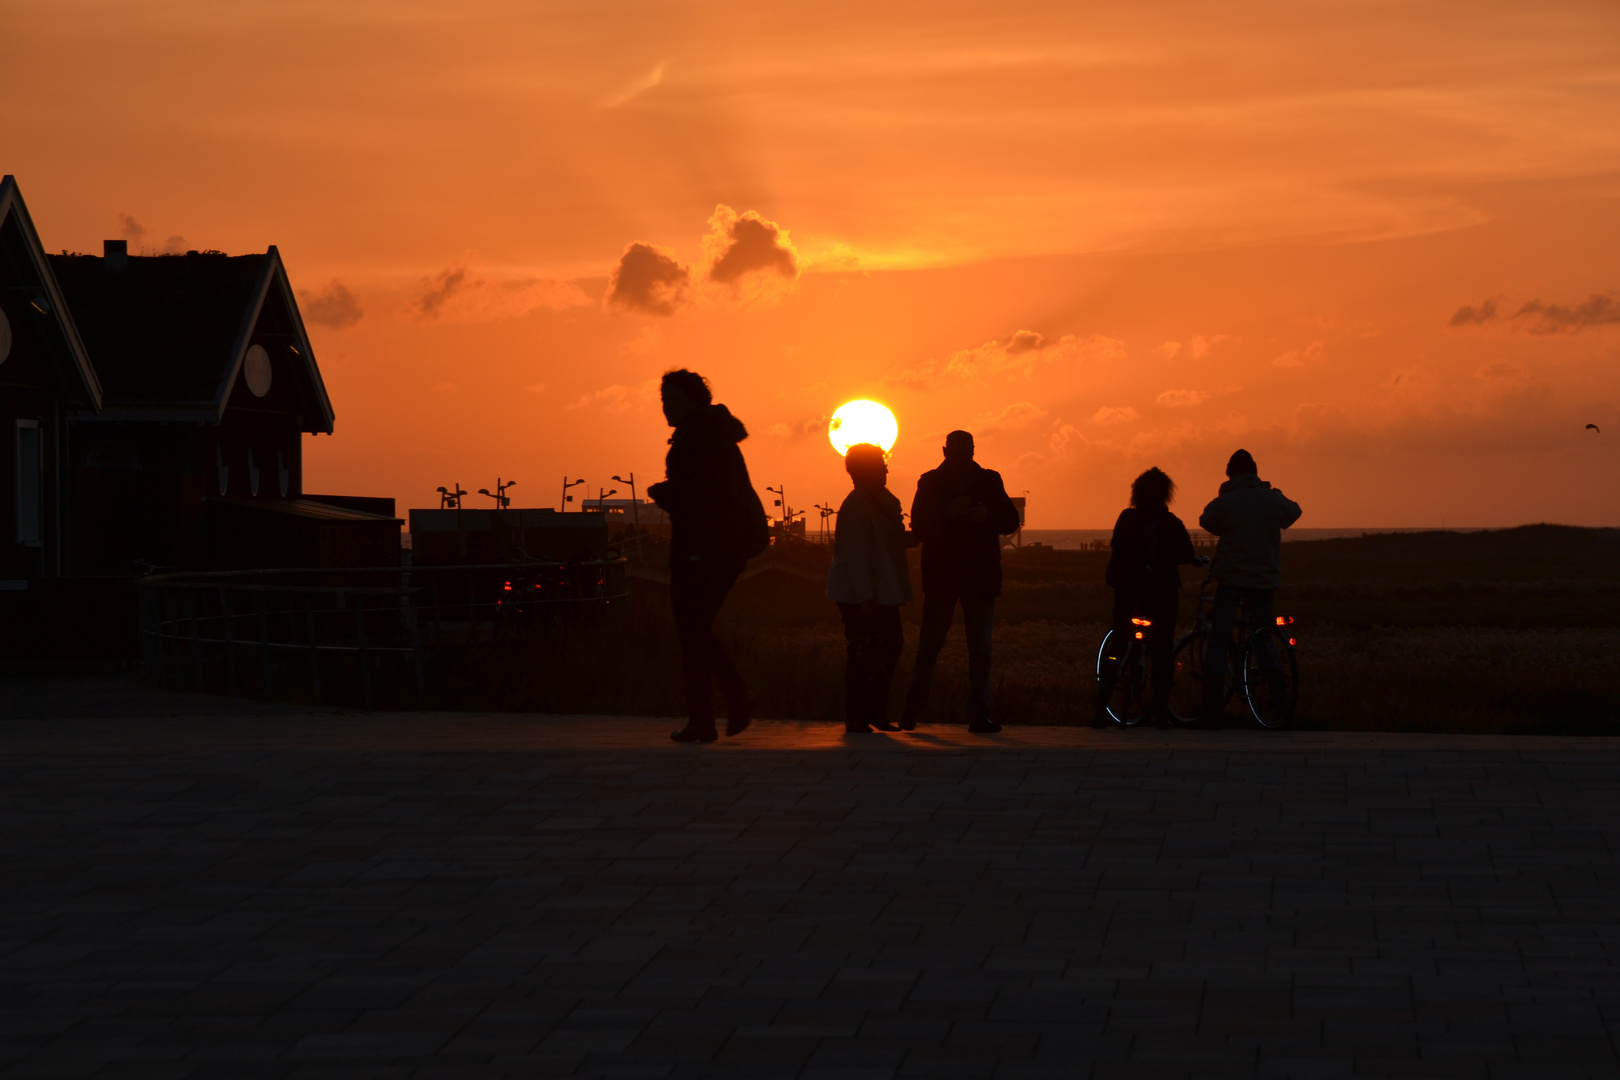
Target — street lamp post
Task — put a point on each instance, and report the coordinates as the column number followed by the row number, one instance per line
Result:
column 502, row 500
column 567, row 498
column 635, row 505
column 600, row 496
column 826, row 512
column 783, row 503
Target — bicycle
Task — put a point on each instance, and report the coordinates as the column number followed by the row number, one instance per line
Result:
column 1127, row 702
column 1271, row 695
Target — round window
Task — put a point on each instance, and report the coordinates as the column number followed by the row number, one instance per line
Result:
column 256, row 369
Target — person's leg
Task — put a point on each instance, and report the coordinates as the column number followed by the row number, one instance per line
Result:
column 888, row 641
column 739, row 703
column 692, row 600
column 1161, row 641
column 1222, row 617
column 978, row 618
column 1261, row 605
column 857, row 667
column 938, row 610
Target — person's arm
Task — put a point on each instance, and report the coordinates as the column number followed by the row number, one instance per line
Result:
column 1181, row 545
column 1210, row 519
column 1116, row 545
column 1002, row 514
column 926, row 513
column 1290, row 510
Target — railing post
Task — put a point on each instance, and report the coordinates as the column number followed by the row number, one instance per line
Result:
column 264, row 644
column 314, row 653
column 230, row 643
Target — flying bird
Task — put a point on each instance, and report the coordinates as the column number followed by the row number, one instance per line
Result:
column 1594, row 427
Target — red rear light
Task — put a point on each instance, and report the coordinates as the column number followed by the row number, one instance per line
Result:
column 1141, row 622
column 508, row 586
column 1291, row 641
column 1139, row 635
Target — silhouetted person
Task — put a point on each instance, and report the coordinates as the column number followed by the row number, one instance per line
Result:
column 869, row 581
column 960, row 514
column 1249, row 516
column 716, row 525
column 1149, row 546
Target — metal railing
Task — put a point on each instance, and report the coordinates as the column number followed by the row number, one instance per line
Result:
column 351, row 636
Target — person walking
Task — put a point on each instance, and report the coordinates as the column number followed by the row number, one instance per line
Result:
column 869, row 581
column 1148, row 548
column 717, row 524
column 1248, row 515
column 960, row 513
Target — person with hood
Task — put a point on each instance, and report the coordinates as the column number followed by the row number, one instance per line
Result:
column 1248, row 515
column 869, row 581
column 716, row 525
column 960, row 513
column 1149, row 546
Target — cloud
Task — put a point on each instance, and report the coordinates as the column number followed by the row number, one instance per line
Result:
column 458, row 294
column 333, row 306
column 749, row 254
column 1108, row 414
column 129, row 228
column 1199, row 346
column 1175, row 399
column 1169, row 349
column 802, row 428
column 619, row 398
column 634, row 89
column 1596, row 310
column 1535, row 317
column 1012, row 418
column 1020, row 354
column 536, row 388
column 1472, row 316
column 648, row 340
column 1298, row 358
column 648, row 279
column 1067, row 441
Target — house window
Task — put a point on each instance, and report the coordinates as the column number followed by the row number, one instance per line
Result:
column 30, row 484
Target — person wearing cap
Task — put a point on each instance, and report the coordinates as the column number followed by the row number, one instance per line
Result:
column 1248, row 515
column 960, row 514
column 870, row 582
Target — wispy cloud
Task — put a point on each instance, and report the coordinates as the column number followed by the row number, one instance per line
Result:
column 1176, row 399
column 333, row 306
column 1110, row 414
column 1012, row 418
column 1535, row 317
column 618, row 398
column 634, row 89
column 1021, row 354
column 458, row 294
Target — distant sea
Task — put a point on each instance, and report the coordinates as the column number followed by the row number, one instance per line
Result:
column 1079, row 538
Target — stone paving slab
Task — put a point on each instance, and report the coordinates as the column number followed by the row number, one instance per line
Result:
column 301, row 894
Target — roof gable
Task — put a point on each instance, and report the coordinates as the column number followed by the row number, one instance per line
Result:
column 28, row 268
column 169, row 333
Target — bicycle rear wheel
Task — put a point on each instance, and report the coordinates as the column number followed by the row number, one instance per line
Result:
column 1127, row 701
column 1270, row 678
column 1187, row 679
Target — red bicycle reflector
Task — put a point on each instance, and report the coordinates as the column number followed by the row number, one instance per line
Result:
column 1139, row 635
column 508, row 586
column 1142, row 622
column 1291, row 641
column 1282, row 620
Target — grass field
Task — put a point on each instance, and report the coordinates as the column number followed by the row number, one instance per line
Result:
column 1514, row 630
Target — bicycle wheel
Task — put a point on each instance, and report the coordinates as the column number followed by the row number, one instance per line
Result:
column 1270, row 678
column 1127, row 701
column 1187, row 679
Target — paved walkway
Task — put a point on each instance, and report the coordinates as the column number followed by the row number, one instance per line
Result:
column 301, row 894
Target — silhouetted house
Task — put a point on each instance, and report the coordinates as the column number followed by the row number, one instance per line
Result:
column 45, row 376
column 152, row 414
column 209, row 385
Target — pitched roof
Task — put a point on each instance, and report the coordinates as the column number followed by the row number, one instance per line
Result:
column 30, row 269
column 168, row 333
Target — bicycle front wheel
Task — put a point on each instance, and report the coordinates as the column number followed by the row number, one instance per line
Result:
column 1127, row 697
column 1187, row 679
column 1270, row 678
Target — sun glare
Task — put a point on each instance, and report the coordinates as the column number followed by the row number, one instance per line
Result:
column 862, row 422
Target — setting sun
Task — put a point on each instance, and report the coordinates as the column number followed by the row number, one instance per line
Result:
column 862, row 422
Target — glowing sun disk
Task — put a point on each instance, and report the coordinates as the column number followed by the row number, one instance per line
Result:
column 862, row 421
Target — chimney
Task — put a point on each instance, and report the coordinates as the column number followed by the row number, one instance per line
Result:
column 115, row 255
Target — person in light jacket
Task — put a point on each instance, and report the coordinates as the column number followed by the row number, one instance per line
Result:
column 869, row 582
column 1248, row 515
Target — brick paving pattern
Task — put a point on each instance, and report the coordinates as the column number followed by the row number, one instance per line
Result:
column 302, row 895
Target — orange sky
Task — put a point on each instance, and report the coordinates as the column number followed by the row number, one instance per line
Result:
column 1102, row 236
